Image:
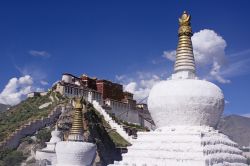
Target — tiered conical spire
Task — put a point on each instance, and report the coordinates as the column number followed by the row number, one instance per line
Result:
column 76, row 132
column 184, row 53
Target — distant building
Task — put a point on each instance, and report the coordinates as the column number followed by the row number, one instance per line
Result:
column 110, row 90
column 72, row 86
column 108, row 94
column 34, row 94
column 89, row 82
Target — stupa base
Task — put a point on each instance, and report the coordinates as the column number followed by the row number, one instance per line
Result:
column 183, row 146
column 71, row 153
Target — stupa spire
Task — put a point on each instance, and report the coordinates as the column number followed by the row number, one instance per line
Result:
column 184, row 53
column 76, row 132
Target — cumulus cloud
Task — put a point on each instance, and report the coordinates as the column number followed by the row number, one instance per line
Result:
column 39, row 53
column 209, row 51
column 17, row 89
column 208, row 47
column 140, row 84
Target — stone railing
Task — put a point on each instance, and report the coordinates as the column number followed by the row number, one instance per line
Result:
column 13, row 140
column 119, row 129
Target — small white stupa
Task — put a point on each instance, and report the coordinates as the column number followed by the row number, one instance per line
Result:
column 48, row 154
column 185, row 110
column 76, row 152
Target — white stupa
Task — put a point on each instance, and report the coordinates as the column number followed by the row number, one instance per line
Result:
column 48, row 154
column 76, row 152
column 185, row 111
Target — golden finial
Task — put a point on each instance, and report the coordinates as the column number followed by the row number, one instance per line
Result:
column 78, row 103
column 185, row 19
column 185, row 25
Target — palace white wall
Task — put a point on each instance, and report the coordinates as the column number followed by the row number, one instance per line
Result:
column 123, row 111
column 67, row 78
column 76, row 91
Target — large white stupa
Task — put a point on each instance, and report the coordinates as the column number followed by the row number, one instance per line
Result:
column 185, row 110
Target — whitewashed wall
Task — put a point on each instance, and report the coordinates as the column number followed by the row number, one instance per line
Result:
column 123, row 111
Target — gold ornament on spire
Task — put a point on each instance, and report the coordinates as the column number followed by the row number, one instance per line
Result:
column 78, row 103
column 184, row 20
column 185, row 25
column 184, row 52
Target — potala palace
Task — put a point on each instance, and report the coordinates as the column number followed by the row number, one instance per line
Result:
column 107, row 94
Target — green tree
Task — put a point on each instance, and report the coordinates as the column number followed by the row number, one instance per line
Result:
column 43, row 135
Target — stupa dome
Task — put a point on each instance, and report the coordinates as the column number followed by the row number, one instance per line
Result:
column 189, row 102
column 71, row 153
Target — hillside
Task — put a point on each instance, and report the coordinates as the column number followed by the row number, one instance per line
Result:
column 97, row 130
column 28, row 110
column 3, row 107
column 237, row 128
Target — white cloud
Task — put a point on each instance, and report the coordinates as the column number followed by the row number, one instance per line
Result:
column 120, row 77
column 227, row 102
column 215, row 72
column 131, row 87
column 38, row 75
column 140, row 84
column 39, row 53
column 246, row 115
column 44, row 82
column 209, row 52
column 208, row 47
column 169, row 55
column 17, row 89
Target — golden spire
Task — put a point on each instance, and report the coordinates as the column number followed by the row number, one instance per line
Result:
column 184, row 53
column 76, row 132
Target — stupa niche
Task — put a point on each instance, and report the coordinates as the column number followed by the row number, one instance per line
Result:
column 185, row 111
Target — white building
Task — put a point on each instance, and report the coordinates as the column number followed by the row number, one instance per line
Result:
column 70, row 86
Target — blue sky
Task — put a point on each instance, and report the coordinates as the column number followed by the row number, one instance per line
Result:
column 123, row 41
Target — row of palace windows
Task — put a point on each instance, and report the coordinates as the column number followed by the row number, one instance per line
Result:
column 81, row 92
column 75, row 91
column 119, row 105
